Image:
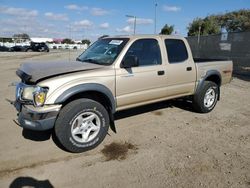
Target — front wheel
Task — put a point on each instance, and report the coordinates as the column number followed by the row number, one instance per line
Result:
column 81, row 125
column 205, row 100
column 29, row 50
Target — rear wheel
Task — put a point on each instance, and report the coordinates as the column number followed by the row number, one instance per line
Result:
column 82, row 125
column 205, row 100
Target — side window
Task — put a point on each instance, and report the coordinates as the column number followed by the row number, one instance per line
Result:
column 147, row 51
column 176, row 50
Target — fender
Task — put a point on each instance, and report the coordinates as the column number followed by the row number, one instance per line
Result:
column 208, row 74
column 88, row 87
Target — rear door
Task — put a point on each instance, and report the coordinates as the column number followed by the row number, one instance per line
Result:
column 145, row 82
column 181, row 70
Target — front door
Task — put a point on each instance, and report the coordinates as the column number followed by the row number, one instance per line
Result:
column 143, row 83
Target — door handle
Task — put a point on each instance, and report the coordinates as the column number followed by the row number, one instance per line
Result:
column 189, row 68
column 161, row 72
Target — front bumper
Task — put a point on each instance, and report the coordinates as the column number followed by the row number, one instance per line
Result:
column 39, row 119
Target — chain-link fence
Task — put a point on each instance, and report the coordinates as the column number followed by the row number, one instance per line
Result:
column 233, row 46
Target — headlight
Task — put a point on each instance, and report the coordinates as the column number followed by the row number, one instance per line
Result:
column 27, row 93
column 39, row 96
column 31, row 94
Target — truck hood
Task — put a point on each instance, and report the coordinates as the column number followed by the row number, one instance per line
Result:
column 34, row 71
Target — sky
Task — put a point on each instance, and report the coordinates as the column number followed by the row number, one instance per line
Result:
column 90, row 19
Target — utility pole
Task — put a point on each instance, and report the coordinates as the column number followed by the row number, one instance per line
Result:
column 70, row 39
column 130, row 16
column 134, row 25
column 155, row 16
column 199, row 34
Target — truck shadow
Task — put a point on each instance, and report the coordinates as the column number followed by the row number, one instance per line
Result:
column 245, row 77
column 40, row 136
column 178, row 103
column 22, row 182
column 36, row 135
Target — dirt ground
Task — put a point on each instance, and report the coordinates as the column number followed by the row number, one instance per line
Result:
column 159, row 145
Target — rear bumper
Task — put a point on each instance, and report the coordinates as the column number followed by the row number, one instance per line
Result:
column 38, row 119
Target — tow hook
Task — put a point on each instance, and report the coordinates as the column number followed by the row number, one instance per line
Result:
column 16, row 122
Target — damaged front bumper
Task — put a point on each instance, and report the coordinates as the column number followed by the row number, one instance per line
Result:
column 37, row 118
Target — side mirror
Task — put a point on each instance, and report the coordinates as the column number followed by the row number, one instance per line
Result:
column 130, row 61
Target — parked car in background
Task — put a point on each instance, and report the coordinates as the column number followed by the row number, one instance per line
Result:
column 4, row 49
column 37, row 47
column 18, row 48
column 33, row 47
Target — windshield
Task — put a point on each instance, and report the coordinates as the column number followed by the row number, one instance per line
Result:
column 103, row 51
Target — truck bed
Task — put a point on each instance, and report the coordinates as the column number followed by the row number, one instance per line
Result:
column 224, row 67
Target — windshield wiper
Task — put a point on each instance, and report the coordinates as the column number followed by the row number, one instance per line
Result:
column 86, row 60
column 78, row 59
column 89, row 60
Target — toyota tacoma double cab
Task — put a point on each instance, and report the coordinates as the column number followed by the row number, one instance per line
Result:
column 78, row 99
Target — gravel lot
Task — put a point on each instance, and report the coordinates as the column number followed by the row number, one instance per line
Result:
column 159, row 145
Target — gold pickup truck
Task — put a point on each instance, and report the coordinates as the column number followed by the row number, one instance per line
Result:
column 79, row 99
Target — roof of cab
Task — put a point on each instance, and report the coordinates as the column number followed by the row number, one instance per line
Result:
column 146, row 36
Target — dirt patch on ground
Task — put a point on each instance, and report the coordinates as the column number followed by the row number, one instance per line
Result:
column 158, row 113
column 117, row 151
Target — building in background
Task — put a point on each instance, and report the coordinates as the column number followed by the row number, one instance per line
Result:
column 39, row 40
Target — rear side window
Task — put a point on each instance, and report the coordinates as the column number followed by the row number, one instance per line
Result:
column 177, row 51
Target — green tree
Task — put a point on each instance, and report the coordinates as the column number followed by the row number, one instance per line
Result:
column 205, row 26
column 167, row 30
column 3, row 39
column 236, row 20
column 67, row 41
column 86, row 41
column 21, row 36
column 231, row 21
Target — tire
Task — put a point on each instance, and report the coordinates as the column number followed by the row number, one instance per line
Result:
column 29, row 50
column 81, row 125
column 205, row 100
